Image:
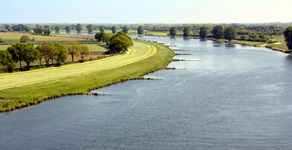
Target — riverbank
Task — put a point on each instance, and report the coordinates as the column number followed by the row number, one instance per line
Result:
column 27, row 95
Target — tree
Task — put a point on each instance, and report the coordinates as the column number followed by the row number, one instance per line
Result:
column 203, row 32
column 114, row 29
column 5, row 58
column 57, row 29
column 78, row 28
column 125, row 29
column 48, row 52
column 230, row 33
column 218, row 32
column 47, row 31
column 23, row 52
column 24, row 38
column 89, row 28
column 68, row 29
column 62, row 53
column 30, row 54
column 84, row 51
column 172, row 31
column 101, row 29
column 288, row 37
column 38, row 30
column 73, row 49
column 186, row 31
column 120, row 42
column 140, row 30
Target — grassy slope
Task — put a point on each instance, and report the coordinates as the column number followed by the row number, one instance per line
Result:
column 35, row 93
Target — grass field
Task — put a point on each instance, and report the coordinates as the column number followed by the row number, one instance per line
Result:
column 47, row 83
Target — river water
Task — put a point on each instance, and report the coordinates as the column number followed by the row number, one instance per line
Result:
column 221, row 97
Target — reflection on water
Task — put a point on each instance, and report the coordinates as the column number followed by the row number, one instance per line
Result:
column 222, row 97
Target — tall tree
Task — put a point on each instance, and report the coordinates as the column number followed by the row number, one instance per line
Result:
column 125, row 29
column 23, row 52
column 89, row 28
column 30, row 54
column 230, row 33
column 288, row 37
column 57, row 29
column 114, row 29
column 218, row 32
column 172, row 31
column 5, row 58
column 102, row 29
column 47, row 31
column 73, row 49
column 62, row 53
column 68, row 29
column 186, row 31
column 203, row 32
column 78, row 28
column 48, row 52
column 84, row 50
column 140, row 30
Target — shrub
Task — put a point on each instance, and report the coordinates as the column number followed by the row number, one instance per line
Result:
column 24, row 38
column 10, row 67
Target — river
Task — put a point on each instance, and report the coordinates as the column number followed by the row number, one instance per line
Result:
column 221, row 97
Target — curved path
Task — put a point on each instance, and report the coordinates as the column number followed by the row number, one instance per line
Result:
column 136, row 53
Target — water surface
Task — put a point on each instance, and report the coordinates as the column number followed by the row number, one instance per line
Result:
column 222, row 97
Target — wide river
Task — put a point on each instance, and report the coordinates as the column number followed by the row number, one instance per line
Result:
column 221, row 97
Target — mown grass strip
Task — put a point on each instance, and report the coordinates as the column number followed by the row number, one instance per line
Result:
column 16, row 80
column 27, row 95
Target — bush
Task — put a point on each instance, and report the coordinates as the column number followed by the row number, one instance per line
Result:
column 1, row 40
column 24, row 38
column 10, row 67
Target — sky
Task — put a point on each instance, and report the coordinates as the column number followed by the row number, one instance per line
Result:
column 145, row 11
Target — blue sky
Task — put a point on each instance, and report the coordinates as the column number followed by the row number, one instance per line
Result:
column 145, row 11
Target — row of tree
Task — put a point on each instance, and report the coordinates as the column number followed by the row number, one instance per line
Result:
column 28, row 53
column 218, row 32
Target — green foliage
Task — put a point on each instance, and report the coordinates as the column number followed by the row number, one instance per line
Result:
column 172, row 31
column 89, row 28
column 125, row 29
column 62, row 53
column 5, row 58
column 140, row 30
column 68, row 29
column 120, row 42
column 203, row 32
column 11, row 67
column 186, row 32
column 73, row 49
column 38, row 30
column 218, row 32
column 24, row 38
column 57, row 29
column 102, row 29
column 78, row 28
column 47, row 31
column 84, row 50
column 288, row 37
column 114, row 29
column 47, row 51
column 24, row 52
column 230, row 33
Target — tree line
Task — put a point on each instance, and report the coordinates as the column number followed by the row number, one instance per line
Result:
column 28, row 53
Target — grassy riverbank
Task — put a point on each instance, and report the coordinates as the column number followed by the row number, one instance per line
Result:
column 32, row 94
